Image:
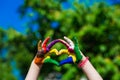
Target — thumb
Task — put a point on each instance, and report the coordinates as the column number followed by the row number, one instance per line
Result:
column 49, row 60
column 77, row 50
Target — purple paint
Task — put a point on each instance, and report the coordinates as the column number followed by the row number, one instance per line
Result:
column 55, row 41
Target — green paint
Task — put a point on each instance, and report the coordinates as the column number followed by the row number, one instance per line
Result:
column 77, row 50
column 49, row 60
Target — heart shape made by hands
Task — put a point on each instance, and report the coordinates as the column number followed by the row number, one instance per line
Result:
column 70, row 59
column 48, row 51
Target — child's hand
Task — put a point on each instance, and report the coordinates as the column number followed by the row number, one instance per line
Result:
column 74, row 51
column 77, row 51
column 42, row 52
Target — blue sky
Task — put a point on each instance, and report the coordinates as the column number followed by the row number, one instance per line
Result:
column 9, row 16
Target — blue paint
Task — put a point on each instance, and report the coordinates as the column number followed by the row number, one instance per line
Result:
column 65, row 61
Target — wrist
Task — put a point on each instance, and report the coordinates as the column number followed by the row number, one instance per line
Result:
column 83, row 62
column 37, row 61
column 83, row 58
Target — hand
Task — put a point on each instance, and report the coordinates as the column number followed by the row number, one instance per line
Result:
column 43, row 54
column 74, row 51
column 71, row 56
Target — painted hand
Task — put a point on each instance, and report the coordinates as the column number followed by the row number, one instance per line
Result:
column 74, row 51
column 43, row 54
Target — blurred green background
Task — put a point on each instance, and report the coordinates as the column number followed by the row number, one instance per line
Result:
column 96, row 26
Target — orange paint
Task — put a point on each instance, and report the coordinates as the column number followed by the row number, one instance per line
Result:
column 38, row 60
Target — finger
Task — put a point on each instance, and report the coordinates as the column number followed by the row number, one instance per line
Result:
column 53, row 51
column 75, row 41
column 69, row 41
column 38, row 60
column 49, row 60
column 65, row 61
column 77, row 50
column 51, row 44
column 71, row 45
column 55, row 41
column 73, row 57
column 63, row 51
column 64, row 42
column 39, row 45
column 45, row 43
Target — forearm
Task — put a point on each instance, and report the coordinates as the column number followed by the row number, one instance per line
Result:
column 33, row 72
column 90, row 71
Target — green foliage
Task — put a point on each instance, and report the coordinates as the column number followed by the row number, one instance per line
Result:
column 5, row 70
column 97, row 29
column 5, row 67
